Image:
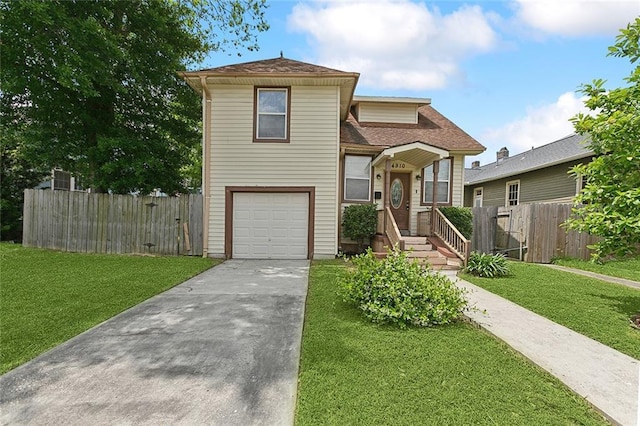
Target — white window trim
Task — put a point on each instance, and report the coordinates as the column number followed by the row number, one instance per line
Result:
column 506, row 197
column 285, row 114
column 448, row 180
column 579, row 179
column 344, row 183
column 481, row 189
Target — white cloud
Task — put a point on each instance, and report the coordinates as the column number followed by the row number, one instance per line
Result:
column 394, row 44
column 542, row 125
column 577, row 17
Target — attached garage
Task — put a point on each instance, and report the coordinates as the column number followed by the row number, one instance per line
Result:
column 269, row 225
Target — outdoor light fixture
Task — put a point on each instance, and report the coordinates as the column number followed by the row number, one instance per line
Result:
column 378, row 176
column 418, row 177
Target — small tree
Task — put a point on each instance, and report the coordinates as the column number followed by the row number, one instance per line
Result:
column 359, row 222
column 609, row 205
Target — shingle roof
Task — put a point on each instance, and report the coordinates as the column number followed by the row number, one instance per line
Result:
column 433, row 129
column 276, row 65
column 566, row 149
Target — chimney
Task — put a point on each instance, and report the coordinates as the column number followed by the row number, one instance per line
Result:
column 502, row 154
column 475, row 165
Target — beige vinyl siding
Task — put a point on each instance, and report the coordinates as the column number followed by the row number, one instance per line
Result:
column 457, row 181
column 310, row 159
column 551, row 184
column 387, row 113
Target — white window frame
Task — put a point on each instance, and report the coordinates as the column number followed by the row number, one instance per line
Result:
column 285, row 114
column 430, row 175
column 580, row 180
column 506, row 196
column 481, row 189
column 346, row 176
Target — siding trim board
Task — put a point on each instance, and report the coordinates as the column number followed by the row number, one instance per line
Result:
column 228, row 211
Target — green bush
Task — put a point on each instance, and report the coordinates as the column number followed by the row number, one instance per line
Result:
column 487, row 265
column 461, row 218
column 399, row 291
column 359, row 222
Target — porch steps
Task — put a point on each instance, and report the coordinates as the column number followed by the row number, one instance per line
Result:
column 425, row 252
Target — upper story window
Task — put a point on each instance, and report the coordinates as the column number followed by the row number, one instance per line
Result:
column 272, row 115
column 512, row 197
column 444, row 183
column 357, row 178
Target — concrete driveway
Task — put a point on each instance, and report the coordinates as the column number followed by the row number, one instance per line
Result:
column 220, row 349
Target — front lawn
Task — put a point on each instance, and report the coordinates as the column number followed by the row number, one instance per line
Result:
column 626, row 268
column 47, row 297
column 353, row 372
column 595, row 308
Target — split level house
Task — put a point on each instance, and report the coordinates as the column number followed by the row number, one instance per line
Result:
column 539, row 175
column 287, row 146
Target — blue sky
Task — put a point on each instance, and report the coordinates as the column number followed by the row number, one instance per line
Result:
column 506, row 72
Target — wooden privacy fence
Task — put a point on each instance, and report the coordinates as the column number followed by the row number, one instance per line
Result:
column 106, row 223
column 531, row 232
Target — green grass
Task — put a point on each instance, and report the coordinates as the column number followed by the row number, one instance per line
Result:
column 626, row 268
column 356, row 373
column 594, row 308
column 47, row 297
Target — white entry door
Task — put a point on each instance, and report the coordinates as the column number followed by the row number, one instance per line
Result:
column 270, row 225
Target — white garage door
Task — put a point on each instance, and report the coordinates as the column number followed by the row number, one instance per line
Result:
column 270, row 225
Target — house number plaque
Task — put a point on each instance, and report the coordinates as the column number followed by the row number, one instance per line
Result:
column 399, row 165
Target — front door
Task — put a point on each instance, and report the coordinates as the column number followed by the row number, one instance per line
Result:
column 400, row 193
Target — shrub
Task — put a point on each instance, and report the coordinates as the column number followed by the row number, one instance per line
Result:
column 359, row 222
column 398, row 291
column 487, row 265
column 461, row 218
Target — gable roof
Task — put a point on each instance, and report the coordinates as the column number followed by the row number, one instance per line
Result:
column 432, row 129
column 569, row 148
column 279, row 71
column 279, row 65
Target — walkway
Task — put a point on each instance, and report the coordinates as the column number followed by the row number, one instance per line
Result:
column 220, row 349
column 608, row 278
column 606, row 378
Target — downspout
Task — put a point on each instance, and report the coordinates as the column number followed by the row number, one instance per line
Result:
column 206, row 166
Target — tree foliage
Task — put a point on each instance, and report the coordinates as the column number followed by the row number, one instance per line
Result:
column 96, row 82
column 18, row 170
column 609, row 205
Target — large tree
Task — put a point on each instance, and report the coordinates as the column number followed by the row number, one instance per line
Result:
column 609, row 205
column 95, row 82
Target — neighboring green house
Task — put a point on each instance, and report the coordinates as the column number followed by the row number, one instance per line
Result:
column 539, row 175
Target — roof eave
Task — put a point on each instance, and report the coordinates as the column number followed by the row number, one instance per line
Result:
column 531, row 169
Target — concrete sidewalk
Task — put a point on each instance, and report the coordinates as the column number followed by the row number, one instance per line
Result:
column 220, row 349
column 606, row 378
column 608, row 278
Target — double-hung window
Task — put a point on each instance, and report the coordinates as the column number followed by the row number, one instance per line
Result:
column 512, row 196
column 444, row 182
column 272, row 115
column 357, row 178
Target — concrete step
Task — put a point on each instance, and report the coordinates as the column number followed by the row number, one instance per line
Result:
column 423, row 254
column 418, row 247
column 414, row 240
